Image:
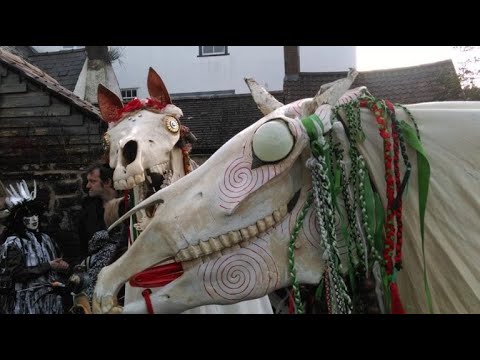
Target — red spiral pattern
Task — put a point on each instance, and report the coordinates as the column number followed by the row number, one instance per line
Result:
column 240, row 275
column 240, row 180
column 309, row 228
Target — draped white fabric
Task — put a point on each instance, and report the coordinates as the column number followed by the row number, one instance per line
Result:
column 450, row 134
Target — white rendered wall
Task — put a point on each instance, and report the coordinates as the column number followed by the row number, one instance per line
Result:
column 54, row 48
column 327, row 58
column 183, row 71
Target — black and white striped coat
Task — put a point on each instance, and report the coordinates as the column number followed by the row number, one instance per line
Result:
column 28, row 259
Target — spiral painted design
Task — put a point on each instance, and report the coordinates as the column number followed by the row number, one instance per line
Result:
column 309, row 228
column 240, row 179
column 240, row 275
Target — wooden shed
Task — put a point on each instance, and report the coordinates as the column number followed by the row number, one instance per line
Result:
column 48, row 134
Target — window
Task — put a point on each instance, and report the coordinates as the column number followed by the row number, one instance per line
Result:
column 213, row 50
column 128, row 94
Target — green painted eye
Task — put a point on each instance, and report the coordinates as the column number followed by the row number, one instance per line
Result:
column 272, row 141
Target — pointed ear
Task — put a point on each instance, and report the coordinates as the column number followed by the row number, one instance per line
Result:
column 156, row 87
column 109, row 104
column 266, row 103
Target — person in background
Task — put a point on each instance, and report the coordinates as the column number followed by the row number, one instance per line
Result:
column 30, row 262
column 100, row 209
column 100, row 190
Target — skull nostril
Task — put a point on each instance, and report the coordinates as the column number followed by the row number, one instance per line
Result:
column 129, row 152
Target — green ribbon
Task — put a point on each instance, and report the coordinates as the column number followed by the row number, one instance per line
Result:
column 369, row 203
column 423, row 168
column 309, row 124
column 379, row 224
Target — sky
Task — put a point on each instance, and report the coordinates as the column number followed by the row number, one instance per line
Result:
column 386, row 57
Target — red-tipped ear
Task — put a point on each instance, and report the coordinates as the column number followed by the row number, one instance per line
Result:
column 109, row 104
column 156, row 87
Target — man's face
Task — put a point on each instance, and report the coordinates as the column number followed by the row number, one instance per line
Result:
column 31, row 222
column 94, row 184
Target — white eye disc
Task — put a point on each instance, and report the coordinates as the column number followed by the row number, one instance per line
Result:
column 272, row 141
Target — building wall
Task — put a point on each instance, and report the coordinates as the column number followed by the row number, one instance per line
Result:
column 45, row 139
column 327, row 58
column 55, row 48
column 183, row 71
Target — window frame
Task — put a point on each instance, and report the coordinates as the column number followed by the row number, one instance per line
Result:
column 201, row 52
column 126, row 98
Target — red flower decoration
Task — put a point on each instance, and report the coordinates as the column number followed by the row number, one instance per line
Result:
column 155, row 104
column 135, row 104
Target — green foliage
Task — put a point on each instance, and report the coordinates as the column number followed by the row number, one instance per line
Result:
column 472, row 93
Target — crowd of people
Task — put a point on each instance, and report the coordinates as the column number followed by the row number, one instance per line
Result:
column 34, row 277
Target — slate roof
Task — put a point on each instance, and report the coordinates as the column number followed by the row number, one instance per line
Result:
column 38, row 76
column 64, row 66
column 22, row 51
column 423, row 83
column 216, row 119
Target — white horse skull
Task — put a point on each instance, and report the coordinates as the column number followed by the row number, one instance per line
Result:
column 146, row 145
column 229, row 222
column 141, row 136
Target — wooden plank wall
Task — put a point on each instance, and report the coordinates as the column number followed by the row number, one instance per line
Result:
column 45, row 138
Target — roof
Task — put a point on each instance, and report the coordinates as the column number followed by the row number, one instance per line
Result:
column 37, row 76
column 22, row 51
column 216, row 119
column 64, row 66
column 429, row 82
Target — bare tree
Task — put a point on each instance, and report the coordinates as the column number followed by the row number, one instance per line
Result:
column 469, row 71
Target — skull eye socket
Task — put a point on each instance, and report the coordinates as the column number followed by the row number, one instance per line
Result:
column 172, row 124
column 272, row 141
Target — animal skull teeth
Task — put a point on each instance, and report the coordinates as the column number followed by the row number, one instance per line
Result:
column 232, row 238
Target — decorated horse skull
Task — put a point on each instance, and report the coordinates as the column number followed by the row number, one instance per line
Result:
column 142, row 136
column 259, row 215
column 148, row 150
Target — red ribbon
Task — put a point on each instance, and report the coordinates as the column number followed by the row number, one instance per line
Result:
column 397, row 307
column 138, row 104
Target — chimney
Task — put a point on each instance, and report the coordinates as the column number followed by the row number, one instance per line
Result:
column 96, row 70
column 291, row 56
column 97, row 52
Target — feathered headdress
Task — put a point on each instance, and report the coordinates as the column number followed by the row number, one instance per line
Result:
column 20, row 202
column 23, row 194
